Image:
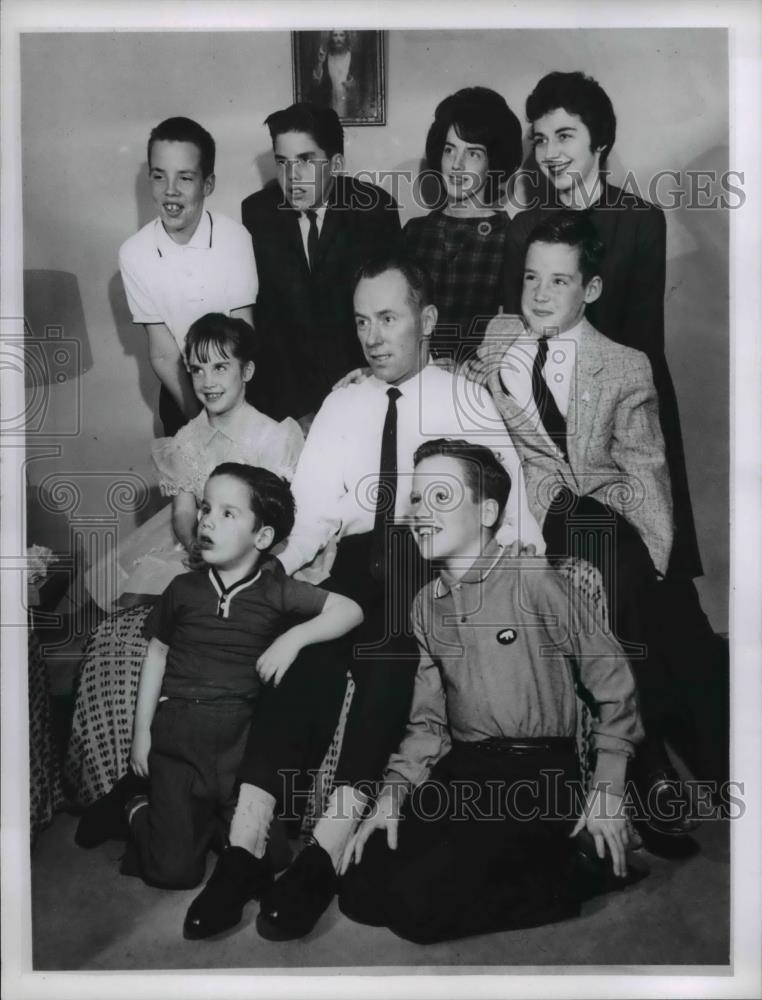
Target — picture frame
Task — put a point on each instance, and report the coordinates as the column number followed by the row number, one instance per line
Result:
column 344, row 70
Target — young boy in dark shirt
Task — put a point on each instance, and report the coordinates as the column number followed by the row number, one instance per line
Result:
column 213, row 631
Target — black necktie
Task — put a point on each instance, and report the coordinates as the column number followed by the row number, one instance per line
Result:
column 312, row 238
column 551, row 417
column 387, row 487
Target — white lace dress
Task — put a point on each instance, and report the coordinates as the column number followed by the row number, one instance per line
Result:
column 150, row 557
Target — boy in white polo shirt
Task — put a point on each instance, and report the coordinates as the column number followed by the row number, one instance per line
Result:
column 185, row 263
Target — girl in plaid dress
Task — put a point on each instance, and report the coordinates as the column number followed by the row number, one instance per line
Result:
column 473, row 147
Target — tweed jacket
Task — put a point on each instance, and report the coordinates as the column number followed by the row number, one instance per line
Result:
column 614, row 439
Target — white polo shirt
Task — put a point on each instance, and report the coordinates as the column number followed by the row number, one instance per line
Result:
column 175, row 284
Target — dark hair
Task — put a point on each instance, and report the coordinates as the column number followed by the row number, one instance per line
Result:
column 230, row 336
column 185, row 130
column 478, row 115
column 484, row 475
column 322, row 124
column 271, row 498
column 574, row 229
column 578, row 95
column 418, row 279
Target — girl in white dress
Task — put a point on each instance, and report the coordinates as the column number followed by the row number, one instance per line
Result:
column 220, row 356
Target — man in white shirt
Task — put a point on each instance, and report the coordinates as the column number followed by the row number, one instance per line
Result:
column 185, row 263
column 352, row 487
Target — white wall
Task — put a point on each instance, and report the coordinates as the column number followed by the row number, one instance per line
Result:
column 90, row 100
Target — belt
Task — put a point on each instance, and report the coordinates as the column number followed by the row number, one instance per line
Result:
column 223, row 700
column 524, row 747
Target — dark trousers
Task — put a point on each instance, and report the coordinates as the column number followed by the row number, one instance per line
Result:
column 697, row 666
column 483, row 846
column 196, row 749
column 295, row 722
column 581, row 526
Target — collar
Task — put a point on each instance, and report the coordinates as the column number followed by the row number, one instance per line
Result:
column 237, row 430
column 319, row 212
column 225, row 594
column 478, row 571
column 201, row 239
column 409, row 386
column 573, row 334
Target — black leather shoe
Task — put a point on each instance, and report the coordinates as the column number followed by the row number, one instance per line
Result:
column 593, row 876
column 105, row 819
column 666, row 827
column 666, row 804
column 673, row 846
column 238, row 877
column 300, row 896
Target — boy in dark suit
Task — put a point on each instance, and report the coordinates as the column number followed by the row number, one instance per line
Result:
column 311, row 231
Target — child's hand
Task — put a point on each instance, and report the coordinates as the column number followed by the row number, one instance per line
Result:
column 141, row 745
column 385, row 816
column 607, row 824
column 354, row 377
column 275, row 661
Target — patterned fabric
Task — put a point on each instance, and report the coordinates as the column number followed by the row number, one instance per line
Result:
column 101, row 735
column 323, row 786
column 465, row 259
column 45, row 792
column 587, row 581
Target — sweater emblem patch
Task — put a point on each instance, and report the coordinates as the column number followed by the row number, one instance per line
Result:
column 506, row 636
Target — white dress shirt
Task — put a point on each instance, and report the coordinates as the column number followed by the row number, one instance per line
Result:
column 337, row 473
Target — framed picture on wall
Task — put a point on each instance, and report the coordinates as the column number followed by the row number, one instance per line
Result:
column 343, row 70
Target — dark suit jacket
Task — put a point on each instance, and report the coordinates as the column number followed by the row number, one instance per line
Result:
column 631, row 312
column 307, row 319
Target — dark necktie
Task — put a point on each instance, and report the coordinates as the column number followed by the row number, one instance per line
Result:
column 387, row 487
column 551, row 417
column 312, row 238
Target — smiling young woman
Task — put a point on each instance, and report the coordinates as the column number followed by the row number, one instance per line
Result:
column 473, row 145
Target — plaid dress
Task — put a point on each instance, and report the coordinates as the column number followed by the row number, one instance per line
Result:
column 465, row 258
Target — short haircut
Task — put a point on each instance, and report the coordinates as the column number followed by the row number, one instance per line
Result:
column 322, row 124
column 479, row 115
column 574, row 229
column 228, row 335
column 484, row 476
column 578, row 95
column 186, row 130
column 419, row 284
column 270, row 496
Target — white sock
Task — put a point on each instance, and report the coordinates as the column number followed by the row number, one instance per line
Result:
column 251, row 820
column 339, row 821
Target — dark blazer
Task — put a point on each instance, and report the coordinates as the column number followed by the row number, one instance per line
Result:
column 631, row 312
column 307, row 319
